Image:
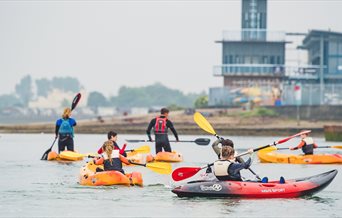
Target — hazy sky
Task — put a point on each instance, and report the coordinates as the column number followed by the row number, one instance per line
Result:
column 107, row 44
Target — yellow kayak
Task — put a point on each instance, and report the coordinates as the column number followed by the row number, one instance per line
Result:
column 64, row 156
column 267, row 156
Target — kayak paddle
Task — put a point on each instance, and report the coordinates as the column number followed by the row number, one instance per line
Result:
column 158, row 167
column 74, row 103
column 273, row 148
column 142, row 149
column 206, row 126
column 198, row 141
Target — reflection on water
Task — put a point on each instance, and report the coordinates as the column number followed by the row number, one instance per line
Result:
column 33, row 188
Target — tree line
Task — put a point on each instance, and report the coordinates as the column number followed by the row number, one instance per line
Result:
column 151, row 95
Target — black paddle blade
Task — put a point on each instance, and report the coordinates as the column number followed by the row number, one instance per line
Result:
column 45, row 155
column 202, row 141
column 75, row 101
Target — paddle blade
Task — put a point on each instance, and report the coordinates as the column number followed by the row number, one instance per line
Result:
column 77, row 98
column 160, row 167
column 290, row 137
column 203, row 123
column 45, row 155
column 336, row 146
column 184, row 173
column 202, row 141
column 145, row 149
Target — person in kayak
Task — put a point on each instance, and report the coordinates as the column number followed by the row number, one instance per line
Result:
column 161, row 125
column 113, row 136
column 111, row 158
column 65, row 131
column 226, row 168
column 307, row 144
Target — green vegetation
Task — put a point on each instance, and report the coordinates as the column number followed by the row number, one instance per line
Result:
column 152, row 95
column 201, row 101
column 260, row 112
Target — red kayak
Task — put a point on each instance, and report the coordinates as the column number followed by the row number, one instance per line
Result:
column 247, row 189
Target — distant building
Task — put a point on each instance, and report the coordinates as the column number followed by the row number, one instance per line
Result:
column 255, row 70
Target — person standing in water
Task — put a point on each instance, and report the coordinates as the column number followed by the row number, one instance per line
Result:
column 65, row 131
column 161, row 124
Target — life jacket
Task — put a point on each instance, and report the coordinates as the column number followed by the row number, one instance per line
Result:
column 65, row 128
column 160, row 126
column 116, row 162
column 309, row 145
column 221, row 169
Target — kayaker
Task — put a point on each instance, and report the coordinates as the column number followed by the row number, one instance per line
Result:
column 161, row 124
column 226, row 168
column 307, row 144
column 113, row 136
column 223, row 142
column 111, row 158
column 65, row 131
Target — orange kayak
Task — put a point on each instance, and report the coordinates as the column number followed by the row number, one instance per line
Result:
column 89, row 177
column 274, row 157
column 140, row 158
column 53, row 156
column 169, row 156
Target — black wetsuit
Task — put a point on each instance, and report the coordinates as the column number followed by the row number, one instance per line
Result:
column 161, row 138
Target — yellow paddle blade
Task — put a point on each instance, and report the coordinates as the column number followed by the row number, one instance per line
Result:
column 160, row 167
column 203, row 123
column 337, row 146
column 143, row 149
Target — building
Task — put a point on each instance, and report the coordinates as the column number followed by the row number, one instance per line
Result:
column 255, row 58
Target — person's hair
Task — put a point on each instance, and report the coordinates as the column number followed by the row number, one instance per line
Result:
column 108, row 148
column 227, row 142
column 227, row 151
column 164, row 111
column 66, row 113
column 110, row 134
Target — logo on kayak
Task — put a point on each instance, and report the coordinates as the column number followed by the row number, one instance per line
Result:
column 273, row 190
column 214, row 187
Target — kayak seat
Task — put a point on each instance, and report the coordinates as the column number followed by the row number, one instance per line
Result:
column 264, row 180
column 281, row 180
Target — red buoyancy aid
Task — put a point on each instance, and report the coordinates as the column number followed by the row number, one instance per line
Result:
column 160, row 126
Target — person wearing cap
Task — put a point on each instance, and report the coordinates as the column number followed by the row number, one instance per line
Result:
column 161, row 124
column 307, row 144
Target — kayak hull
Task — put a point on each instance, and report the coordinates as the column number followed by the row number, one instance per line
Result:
column 274, row 157
column 89, row 177
column 169, row 156
column 53, row 156
column 139, row 158
column 290, row 189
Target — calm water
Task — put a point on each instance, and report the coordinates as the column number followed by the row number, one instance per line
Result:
column 33, row 188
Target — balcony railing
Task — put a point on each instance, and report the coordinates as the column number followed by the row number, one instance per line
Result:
column 253, row 35
column 293, row 72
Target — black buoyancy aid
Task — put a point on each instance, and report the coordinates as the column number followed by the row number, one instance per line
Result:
column 160, row 126
column 116, row 163
column 309, row 145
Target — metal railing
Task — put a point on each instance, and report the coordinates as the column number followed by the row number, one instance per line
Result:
column 253, row 35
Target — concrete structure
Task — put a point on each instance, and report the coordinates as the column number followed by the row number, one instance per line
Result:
column 254, row 57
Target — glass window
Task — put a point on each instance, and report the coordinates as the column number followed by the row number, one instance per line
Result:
column 333, row 46
column 231, row 61
column 272, row 61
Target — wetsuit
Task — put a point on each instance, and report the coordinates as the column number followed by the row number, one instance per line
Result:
column 65, row 136
column 116, row 147
column 228, row 170
column 161, row 124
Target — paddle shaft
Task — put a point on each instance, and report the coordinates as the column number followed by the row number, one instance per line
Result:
column 314, row 148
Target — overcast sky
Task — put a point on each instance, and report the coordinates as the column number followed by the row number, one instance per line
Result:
column 107, row 44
